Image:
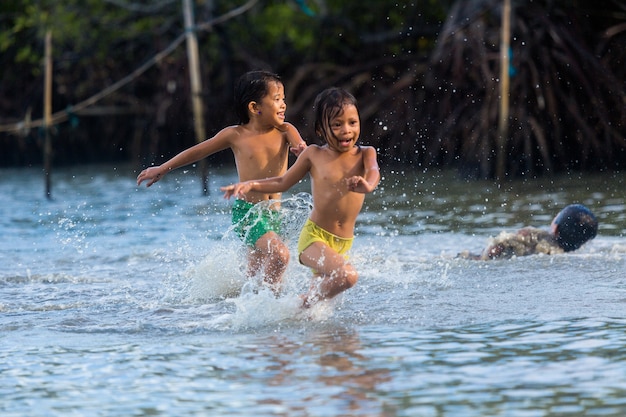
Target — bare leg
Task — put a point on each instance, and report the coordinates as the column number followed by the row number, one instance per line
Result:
column 336, row 274
column 270, row 256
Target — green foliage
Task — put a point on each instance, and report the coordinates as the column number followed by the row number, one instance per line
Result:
column 298, row 33
column 120, row 34
column 382, row 50
column 291, row 32
column 81, row 29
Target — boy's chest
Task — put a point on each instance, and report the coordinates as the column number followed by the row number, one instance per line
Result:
column 336, row 169
column 268, row 147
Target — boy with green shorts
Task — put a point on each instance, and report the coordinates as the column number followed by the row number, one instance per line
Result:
column 252, row 221
column 261, row 145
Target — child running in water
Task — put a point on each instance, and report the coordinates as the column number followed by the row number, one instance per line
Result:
column 341, row 173
column 260, row 144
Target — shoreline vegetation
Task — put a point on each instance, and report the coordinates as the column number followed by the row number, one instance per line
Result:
column 427, row 78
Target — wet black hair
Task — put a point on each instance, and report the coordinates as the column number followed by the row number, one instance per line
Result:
column 252, row 86
column 328, row 105
column 575, row 225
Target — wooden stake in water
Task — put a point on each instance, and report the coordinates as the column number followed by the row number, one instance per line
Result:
column 504, row 90
column 47, row 115
column 196, row 85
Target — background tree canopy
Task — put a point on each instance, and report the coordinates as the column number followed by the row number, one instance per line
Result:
column 426, row 74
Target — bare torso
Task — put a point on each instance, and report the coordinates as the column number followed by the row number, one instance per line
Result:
column 258, row 156
column 336, row 207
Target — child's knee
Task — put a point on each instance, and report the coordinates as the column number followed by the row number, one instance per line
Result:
column 350, row 276
column 270, row 243
column 279, row 251
column 282, row 256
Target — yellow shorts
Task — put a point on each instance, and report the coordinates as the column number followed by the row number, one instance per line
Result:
column 312, row 233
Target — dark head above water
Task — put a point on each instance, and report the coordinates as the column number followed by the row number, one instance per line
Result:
column 574, row 226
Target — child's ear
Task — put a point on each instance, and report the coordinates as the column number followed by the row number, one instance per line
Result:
column 252, row 107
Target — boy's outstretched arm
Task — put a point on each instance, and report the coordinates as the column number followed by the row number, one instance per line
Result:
column 200, row 150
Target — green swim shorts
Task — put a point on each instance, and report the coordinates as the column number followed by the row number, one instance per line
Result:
column 251, row 221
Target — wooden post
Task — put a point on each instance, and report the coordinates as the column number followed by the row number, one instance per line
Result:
column 196, row 85
column 503, row 122
column 47, row 115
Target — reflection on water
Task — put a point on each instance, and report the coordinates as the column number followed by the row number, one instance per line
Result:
column 117, row 301
column 441, row 202
column 504, row 368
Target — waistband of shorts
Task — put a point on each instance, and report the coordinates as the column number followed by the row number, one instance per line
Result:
column 242, row 204
column 345, row 239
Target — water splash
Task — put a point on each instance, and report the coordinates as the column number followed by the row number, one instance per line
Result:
column 220, row 274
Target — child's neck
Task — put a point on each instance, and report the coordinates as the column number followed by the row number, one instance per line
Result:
column 258, row 126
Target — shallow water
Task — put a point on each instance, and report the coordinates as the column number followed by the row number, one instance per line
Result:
column 124, row 301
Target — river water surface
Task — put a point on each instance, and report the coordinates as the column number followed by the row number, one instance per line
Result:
column 117, row 300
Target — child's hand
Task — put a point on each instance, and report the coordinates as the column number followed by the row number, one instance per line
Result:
column 237, row 190
column 298, row 149
column 359, row 184
column 152, row 175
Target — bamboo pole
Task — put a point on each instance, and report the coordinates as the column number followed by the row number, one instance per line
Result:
column 503, row 122
column 196, row 86
column 62, row 115
column 47, row 111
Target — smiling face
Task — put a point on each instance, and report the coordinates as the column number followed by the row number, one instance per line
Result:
column 345, row 128
column 337, row 119
column 251, row 89
column 272, row 106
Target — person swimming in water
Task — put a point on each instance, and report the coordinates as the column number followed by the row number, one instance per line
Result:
column 570, row 229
